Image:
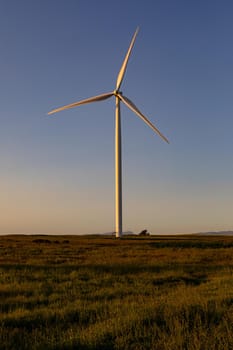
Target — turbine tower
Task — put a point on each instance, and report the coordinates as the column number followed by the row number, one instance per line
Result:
column 119, row 97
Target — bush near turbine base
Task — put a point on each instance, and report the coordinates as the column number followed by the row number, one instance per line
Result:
column 144, row 233
column 100, row 293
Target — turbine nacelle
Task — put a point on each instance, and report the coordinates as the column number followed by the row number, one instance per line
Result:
column 117, row 92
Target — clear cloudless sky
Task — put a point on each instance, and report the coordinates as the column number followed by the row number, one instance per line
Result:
column 57, row 172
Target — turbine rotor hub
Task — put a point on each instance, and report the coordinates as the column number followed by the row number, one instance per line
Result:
column 117, row 92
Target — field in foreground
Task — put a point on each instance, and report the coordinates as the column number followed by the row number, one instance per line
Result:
column 67, row 292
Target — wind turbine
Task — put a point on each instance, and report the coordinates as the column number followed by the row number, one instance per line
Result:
column 119, row 97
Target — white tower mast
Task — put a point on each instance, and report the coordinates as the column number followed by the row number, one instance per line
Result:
column 118, row 171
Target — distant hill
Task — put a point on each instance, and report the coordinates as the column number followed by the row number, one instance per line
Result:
column 214, row 233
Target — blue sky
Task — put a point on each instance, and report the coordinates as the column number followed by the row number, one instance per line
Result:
column 57, row 172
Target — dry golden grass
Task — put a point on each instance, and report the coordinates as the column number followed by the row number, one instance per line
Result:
column 70, row 292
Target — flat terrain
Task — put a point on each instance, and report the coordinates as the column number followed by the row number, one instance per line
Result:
column 70, row 292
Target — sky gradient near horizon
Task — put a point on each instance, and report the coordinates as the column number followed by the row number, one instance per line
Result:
column 57, row 172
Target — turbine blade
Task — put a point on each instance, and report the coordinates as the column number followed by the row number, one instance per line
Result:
column 124, row 64
column 82, row 102
column 132, row 106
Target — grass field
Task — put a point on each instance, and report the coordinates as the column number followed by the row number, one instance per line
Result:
column 70, row 292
